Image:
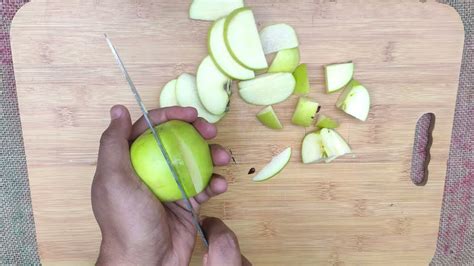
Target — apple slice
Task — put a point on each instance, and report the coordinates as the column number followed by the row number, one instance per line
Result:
column 312, row 149
column 334, row 145
column 212, row 87
column 267, row 89
column 187, row 96
column 242, row 39
column 355, row 100
column 221, row 55
column 326, row 122
column 213, row 9
column 305, row 112
column 275, row 166
column 168, row 94
column 302, row 81
column 285, row 61
column 338, row 75
column 268, row 117
column 278, row 37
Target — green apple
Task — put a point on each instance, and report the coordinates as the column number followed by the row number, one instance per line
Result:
column 326, row 122
column 278, row 37
column 267, row 89
column 312, row 149
column 212, row 87
column 221, row 55
column 275, row 166
column 355, row 100
column 189, row 153
column 213, row 9
column 285, row 61
column 168, row 94
column 305, row 112
column 268, row 117
column 338, row 75
column 302, row 81
column 334, row 145
column 242, row 39
column 187, row 96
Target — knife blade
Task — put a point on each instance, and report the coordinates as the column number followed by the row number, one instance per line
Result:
column 158, row 141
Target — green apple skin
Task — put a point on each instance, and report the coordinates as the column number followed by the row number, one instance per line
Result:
column 269, row 118
column 285, row 61
column 189, row 154
column 302, row 82
column 326, row 122
column 305, row 112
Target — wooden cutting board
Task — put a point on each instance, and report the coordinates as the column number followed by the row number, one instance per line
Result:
column 361, row 209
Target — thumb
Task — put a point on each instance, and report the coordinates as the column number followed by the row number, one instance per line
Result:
column 223, row 244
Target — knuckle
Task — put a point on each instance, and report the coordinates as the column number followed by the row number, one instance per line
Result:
column 227, row 240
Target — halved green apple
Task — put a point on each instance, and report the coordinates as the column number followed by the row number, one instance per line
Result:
column 302, row 81
column 213, row 9
column 305, row 112
column 168, row 94
column 267, row 89
column 355, row 100
column 338, row 75
column 285, row 61
column 187, row 96
column 312, row 149
column 334, row 145
column 212, row 87
column 242, row 39
column 278, row 37
column 326, row 122
column 275, row 166
column 221, row 55
column 268, row 117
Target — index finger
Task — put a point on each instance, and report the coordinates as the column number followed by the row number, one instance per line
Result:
column 161, row 115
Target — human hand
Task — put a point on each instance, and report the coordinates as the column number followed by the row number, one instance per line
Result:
column 136, row 227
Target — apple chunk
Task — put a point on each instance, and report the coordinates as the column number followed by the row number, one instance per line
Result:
column 305, row 112
column 285, row 61
column 242, row 39
column 278, row 37
column 168, row 94
column 212, row 87
column 275, row 166
column 312, row 149
column 302, row 81
column 355, row 101
column 326, row 122
column 268, row 117
column 213, row 9
column 334, row 145
column 187, row 96
column 267, row 89
column 338, row 75
column 221, row 55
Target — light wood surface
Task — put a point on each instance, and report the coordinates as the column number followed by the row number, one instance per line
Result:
column 359, row 210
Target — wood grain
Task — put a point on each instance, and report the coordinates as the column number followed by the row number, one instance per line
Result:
column 361, row 209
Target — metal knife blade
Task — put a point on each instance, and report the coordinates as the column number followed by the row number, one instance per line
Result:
column 134, row 90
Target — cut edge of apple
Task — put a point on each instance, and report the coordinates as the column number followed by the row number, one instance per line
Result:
column 278, row 37
column 205, row 10
column 267, row 89
column 275, row 166
column 269, row 118
column 334, row 144
column 337, row 76
column 312, row 148
column 355, row 100
column 326, row 122
column 305, row 112
column 168, row 94
column 286, row 60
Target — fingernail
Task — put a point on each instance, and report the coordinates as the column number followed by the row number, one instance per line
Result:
column 116, row 112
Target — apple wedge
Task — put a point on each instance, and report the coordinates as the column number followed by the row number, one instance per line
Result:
column 334, row 145
column 326, row 122
column 268, row 117
column 302, row 81
column 312, row 149
column 285, row 61
column 278, row 37
column 267, row 89
column 187, row 96
column 213, row 9
column 338, row 75
column 275, row 166
column 212, row 87
column 221, row 55
column 355, row 101
column 242, row 39
column 168, row 94
column 305, row 112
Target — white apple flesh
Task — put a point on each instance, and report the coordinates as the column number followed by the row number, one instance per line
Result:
column 338, row 75
column 268, row 117
column 213, row 9
column 212, row 87
column 275, row 166
column 285, row 61
column 355, row 101
column 168, row 94
column 334, row 145
column 278, row 37
column 267, row 89
column 312, row 149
